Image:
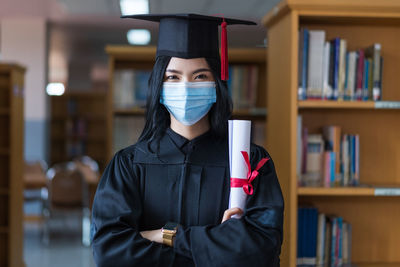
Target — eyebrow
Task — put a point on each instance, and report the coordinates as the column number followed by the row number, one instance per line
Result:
column 194, row 72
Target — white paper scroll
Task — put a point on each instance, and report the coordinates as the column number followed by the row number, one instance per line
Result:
column 239, row 140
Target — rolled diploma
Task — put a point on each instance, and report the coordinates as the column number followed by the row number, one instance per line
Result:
column 239, row 140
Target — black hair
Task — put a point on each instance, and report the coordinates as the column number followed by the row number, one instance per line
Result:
column 157, row 116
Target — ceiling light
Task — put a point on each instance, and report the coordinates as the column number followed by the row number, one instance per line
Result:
column 55, row 89
column 129, row 7
column 138, row 37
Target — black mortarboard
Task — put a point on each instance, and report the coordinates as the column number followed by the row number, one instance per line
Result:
column 192, row 36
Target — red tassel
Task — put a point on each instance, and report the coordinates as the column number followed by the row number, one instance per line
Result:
column 224, row 52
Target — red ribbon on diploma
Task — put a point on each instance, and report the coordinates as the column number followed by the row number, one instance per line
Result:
column 251, row 175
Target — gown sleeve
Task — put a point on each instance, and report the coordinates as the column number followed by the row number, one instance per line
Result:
column 117, row 208
column 253, row 240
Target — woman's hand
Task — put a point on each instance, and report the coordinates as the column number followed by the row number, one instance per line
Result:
column 230, row 212
column 153, row 235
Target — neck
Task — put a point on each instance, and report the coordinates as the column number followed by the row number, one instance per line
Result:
column 190, row 131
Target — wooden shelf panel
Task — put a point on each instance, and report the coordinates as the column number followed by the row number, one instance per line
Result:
column 255, row 112
column 4, row 191
column 336, row 104
column 71, row 94
column 4, row 111
column 317, row 104
column 337, row 191
column 3, row 230
column 348, row 191
column 4, row 151
column 129, row 111
column 132, row 53
column 89, row 117
column 378, row 264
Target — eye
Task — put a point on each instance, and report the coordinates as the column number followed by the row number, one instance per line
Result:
column 201, row 76
column 172, row 77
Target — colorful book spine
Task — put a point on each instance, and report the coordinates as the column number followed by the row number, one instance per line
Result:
column 320, row 239
column 303, row 63
column 339, row 242
column 342, row 68
column 360, row 72
column 333, row 241
column 365, row 92
column 328, row 71
column 374, row 52
column 315, row 64
column 334, row 69
column 327, row 89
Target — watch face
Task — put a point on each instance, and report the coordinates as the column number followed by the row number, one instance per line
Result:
column 170, row 226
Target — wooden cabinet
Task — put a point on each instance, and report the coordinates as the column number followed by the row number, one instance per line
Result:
column 11, row 164
column 374, row 219
column 77, row 127
column 130, row 119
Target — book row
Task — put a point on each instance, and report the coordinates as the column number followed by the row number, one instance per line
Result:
column 76, row 127
column 75, row 148
column 327, row 70
column 130, row 88
column 242, row 85
column 329, row 158
column 323, row 240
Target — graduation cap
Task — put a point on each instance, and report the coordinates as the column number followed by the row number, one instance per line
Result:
column 192, row 36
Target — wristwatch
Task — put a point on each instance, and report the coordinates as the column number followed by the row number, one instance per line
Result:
column 169, row 232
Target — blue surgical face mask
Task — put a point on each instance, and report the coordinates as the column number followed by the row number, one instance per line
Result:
column 188, row 102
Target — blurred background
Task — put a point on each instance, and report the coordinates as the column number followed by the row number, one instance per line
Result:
column 73, row 84
column 53, row 57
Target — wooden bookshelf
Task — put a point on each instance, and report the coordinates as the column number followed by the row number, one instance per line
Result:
column 78, row 119
column 321, row 104
column 142, row 58
column 11, row 164
column 339, row 191
column 336, row 104
column 4, row 151
column 4, row 191
column 375, row 220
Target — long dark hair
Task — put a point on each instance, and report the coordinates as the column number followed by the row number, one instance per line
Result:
column 157, row 116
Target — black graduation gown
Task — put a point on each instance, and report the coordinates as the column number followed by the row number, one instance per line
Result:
column 141, row 190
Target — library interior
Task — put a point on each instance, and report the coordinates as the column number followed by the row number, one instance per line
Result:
column 315, row 79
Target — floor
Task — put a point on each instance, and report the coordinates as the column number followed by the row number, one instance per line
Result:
column 64, row 250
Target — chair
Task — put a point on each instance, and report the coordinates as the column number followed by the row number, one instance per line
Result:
column 35, row 183
column 68, row 193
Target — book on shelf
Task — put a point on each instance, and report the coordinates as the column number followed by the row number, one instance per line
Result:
column 322, row 240
column 374, row 53
column 328, row 159
column 303, row 58
column 315, row 150
column 242, row 85
column 328, row 71
column 334, row 68
column 350, row 83
column 75, row 148
column 299, row 149
column 315, row 64
column 342, row 68
column 76, row 127
column 130, row 88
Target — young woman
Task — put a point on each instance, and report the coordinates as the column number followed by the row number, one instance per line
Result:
column 164, row 201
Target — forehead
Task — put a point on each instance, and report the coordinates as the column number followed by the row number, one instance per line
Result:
column 183, row 64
